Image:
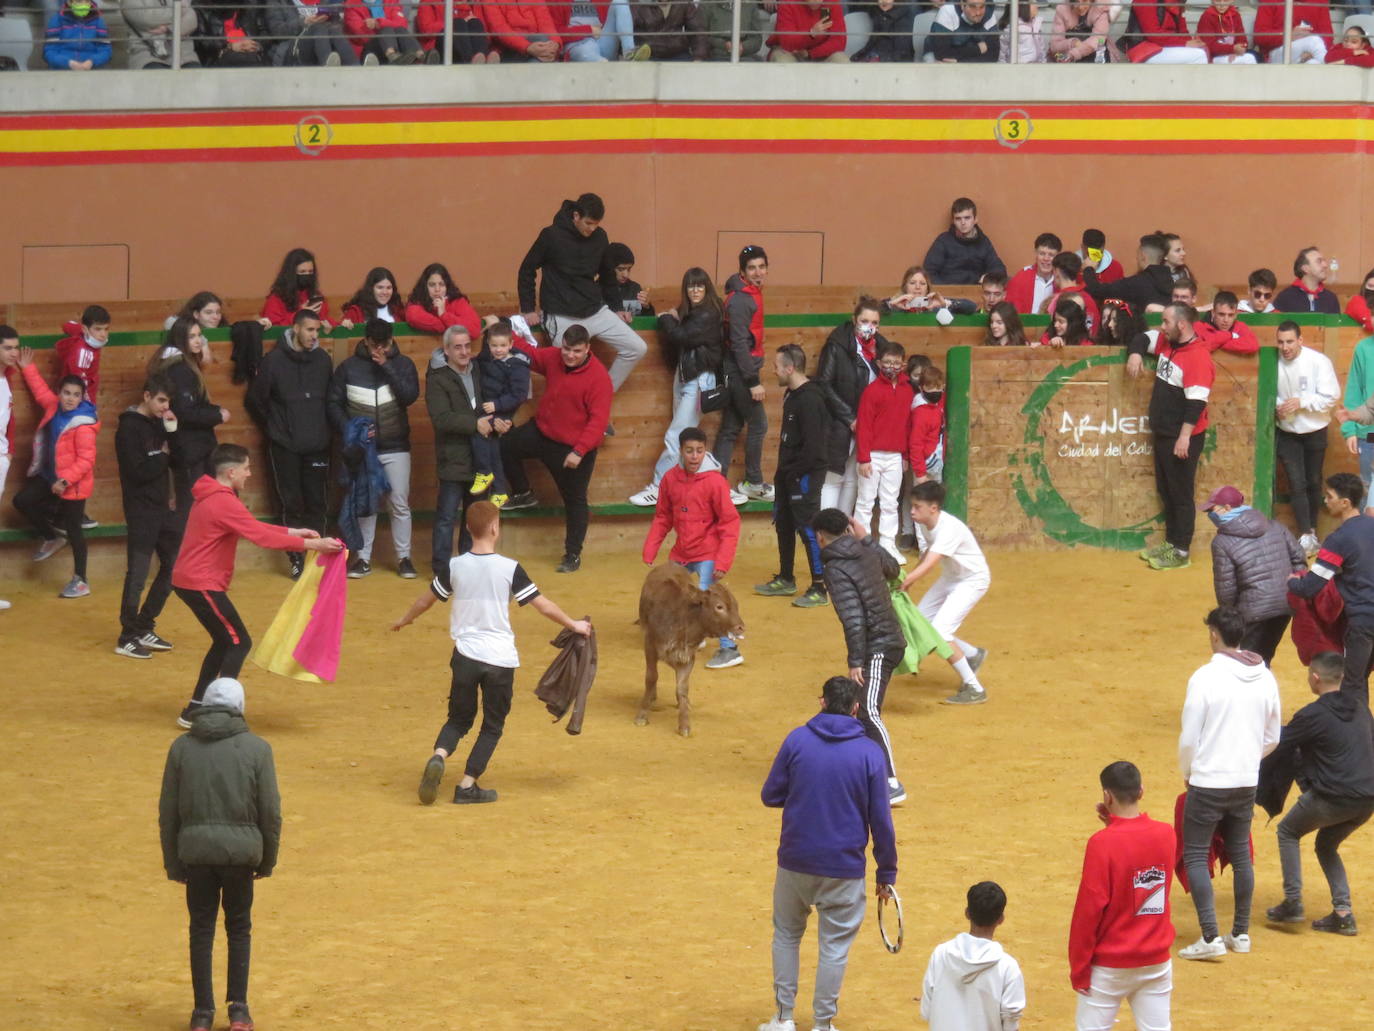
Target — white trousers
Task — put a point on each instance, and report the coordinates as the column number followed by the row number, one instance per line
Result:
column 1312, row 47
column 396, row 465
column 1180, row 55
column 1235, row 59
column 882, row 485
column 949, row 601
column 1147, row 988
column 840, row 489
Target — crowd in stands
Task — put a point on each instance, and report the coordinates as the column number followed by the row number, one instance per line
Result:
column 225, row 33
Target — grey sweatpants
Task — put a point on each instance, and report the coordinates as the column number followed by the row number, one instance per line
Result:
column 839, row 904
column 608, row 326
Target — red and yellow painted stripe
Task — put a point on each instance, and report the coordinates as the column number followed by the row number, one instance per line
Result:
column 354, row 133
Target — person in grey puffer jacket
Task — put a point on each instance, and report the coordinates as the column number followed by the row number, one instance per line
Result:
column 220, row 819
column 1252, row 558
column 856, row 577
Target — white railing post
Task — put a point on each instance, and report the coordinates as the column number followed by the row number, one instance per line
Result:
column 448, row 32
column 1015, row 56
column 734, row 32
column 1287, row 31
column 177, row 6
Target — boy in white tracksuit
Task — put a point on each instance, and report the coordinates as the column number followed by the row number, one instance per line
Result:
column 971, row 984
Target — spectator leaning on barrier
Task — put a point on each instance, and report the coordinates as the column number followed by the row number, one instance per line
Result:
column 890, row 37
column 622, row 294
column 1360, row 307
column 1080, row 35
column 1353, row 49
column 78, row 353
column 1150, row 288
column 808, row 30
column 377, row 298
column 77, row 39
column 966, row 32
column 1030, row 287
column 150, row 33
column 1311, row 30
column 1261, row 285
column 718, row 19
column 1308, row 292
column 436, row 302
column 297, row 286
column 962, row 254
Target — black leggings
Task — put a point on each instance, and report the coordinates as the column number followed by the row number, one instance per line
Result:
column 207, row 887
column 497, row 684
column 229, row 640
column 45, row 511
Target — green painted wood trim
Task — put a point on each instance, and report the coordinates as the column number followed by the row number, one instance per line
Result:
column 958, row 378
column 1266, row 399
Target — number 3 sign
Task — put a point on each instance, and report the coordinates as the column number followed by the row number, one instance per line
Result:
column 1013, row 128
column 313, row 134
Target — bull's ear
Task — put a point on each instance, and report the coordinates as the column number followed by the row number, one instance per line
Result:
column 699, row 598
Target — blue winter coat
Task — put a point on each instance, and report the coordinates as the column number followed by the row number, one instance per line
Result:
column 70, row 38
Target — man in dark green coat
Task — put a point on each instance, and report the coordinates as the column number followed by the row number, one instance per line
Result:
column 220, row 817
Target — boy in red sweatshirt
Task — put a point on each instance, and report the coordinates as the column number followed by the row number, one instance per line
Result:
column 882, row 434
column 205, row 564
column 696, row 505
column 78, row 353
column 1121, row 933
column 925, row 449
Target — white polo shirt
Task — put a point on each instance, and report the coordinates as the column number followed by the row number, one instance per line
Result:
column 481, row 588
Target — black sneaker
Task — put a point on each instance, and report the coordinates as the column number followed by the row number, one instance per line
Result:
column 154, row 643
column 184, row 720
column 239, row 1017
column 360, row 568
column 610, row 430
column 473, row 795
column 1289, row 911
column 1336, row 923
column 202, row 1020
column 525, row 499
column 405, row 569
column 87, row 523
column 570, row 564
column 132, row 649
column 297, row 565
column 429, row 780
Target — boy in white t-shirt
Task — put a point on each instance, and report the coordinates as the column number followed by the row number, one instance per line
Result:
column 964, row 579
column 971, row 984
column 480, row 583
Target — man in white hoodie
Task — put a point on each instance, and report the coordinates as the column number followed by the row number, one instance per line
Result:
column 1231, row 720
column 971, row 984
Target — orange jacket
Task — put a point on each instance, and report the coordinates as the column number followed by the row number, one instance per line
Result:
column 75, row 457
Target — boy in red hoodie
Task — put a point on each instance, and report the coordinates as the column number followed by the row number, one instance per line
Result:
column 882, row 433
column 1121, row 933
column 696, row 505
column 78, row 353
column 924, row 449
column 1222, row 29
column 205, row 564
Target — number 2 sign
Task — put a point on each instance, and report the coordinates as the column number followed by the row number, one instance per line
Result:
column 1013, row 128
column 313, row 133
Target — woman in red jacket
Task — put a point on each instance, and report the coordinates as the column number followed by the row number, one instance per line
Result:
column 1162, row 35
column 297, row 286
column 523, row 30
column 62, row 472
column 808, row 30
column 1223, row 30
column 470, row 42
column 436, row 303
column 1352, row 49
column 377, row 298
column 1361, row 306
column 379, row 31
column 1311, row 30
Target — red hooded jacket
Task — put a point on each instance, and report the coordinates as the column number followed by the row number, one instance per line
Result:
column 1269, row 22
column 75, row 357
column 793, row 30
column 1162, row 24
column 356, row 14
column 1358, row 309
column 927, row 424
column 75, row 456
column 216, row 522
column 1215, row 29
column 511, row 22
column 457, row 312
column 697, row 507
column 576, row 404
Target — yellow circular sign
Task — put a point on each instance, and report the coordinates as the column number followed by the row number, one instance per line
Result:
column 1013, row 128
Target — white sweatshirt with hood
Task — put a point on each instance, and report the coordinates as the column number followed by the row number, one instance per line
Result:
column 1231, row 720
column 971, row 984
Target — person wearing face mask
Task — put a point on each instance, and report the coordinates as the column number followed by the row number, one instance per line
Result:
column 1252, row 559
column 77, row 39
column 289, row 398
column 881, row 436
column 1361, row 305
column 297, row 286
column 926, row 445
column 848, row 364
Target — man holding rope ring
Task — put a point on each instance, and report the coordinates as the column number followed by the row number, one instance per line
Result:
column 830, row 781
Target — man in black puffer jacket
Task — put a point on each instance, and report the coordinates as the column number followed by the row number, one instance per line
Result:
column 1252, row 558
column 289, row 397
column 220, row 821
column 847, row 366
column 379, row 383
column 856, row 577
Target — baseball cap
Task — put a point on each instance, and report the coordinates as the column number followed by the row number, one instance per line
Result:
column 1228, row 496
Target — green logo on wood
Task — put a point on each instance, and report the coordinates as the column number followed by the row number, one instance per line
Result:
column 1035, row 489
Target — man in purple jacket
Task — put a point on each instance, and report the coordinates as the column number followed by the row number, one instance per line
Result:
column 830, row 781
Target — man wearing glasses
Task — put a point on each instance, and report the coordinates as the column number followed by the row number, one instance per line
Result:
column 1259, row 300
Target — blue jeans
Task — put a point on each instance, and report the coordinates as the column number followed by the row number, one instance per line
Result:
column 448, row 510
column 486, row 458
column 617, row 37
column 686, row 412
column 706, row 574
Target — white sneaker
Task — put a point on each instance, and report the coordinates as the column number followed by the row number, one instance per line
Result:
column 890, row 546
column 1309, row 544
column 756, row 491
column 647, row 498
column 1204, row 949
column 738, row 497
column 778, row 1024
column 3, row 605
column 333, row 61
column 1237, row 942
column 370, row 60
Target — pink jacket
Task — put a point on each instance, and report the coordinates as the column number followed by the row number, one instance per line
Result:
column 1065, row 18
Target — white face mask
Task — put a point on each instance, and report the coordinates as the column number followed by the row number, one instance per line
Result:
column 867, row 331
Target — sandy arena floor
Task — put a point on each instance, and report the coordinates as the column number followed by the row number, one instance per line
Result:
column 623, row 880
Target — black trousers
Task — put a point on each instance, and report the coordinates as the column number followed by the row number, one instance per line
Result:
column 229, row 640
column 1263, row 637
column 1359, row 645
column 1175, row 479
column 796, row 500
column 207, row 889
column 497, row 684
column 740, row 411
column 526, row 441
column 877, row 675
column 302, row 483
column 1302, row 455
column 150, row 532
column 469, row 39
column 45, row 511
column 183, row 476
